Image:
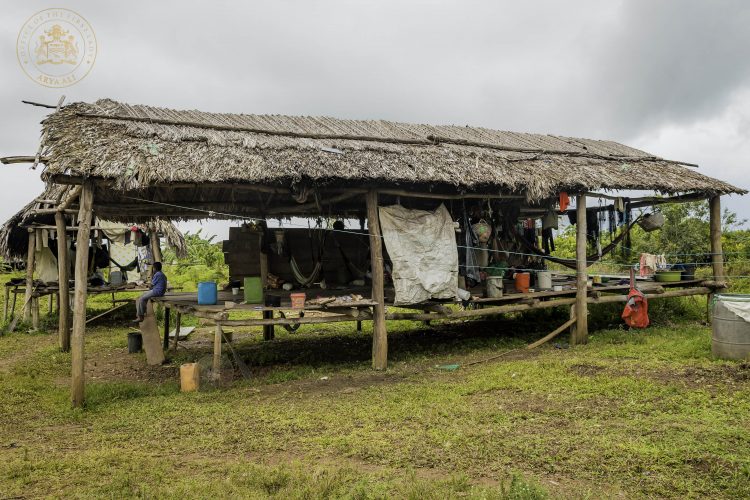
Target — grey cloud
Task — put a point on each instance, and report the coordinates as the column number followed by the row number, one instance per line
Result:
column 618, row 70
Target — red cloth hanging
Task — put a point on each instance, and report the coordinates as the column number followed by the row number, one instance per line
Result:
column 635, row 313
column 564, row 201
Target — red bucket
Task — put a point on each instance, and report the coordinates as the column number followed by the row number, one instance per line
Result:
column 522, row 282
column 298, row 300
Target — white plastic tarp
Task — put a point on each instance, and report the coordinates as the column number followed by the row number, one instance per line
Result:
column 422, row 248
column 740, row 307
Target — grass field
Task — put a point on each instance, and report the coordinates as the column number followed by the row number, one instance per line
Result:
column 631, row 414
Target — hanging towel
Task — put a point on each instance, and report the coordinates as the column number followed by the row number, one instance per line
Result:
column 422, row 247
column 564, row 201
column 649, row 263
column 45, row 265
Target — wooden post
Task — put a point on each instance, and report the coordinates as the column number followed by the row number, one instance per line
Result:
column 155, row 246
column 379, row 333
column 177, row 322
column 167, row 311
column 217, row 353
column 717, row 256
column 81, row 291
column 29, row 275
column 5, row 305
column 268, row 330
column 63, row 300
column 35, row 313
column 582, row 322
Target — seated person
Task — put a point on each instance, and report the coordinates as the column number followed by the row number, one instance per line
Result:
column 158, row 289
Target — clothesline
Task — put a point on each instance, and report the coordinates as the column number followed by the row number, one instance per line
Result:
column 349, row 231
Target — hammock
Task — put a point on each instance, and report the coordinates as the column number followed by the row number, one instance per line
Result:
column 315, row 274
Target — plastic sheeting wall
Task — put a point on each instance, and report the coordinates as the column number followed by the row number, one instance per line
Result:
column 422, row 248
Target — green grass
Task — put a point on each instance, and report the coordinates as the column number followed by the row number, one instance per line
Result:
column 635, row 414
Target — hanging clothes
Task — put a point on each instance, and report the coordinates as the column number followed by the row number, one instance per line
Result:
column 564, row 201
column 549, row 221
column 529, row 232
column 548, row 241
column 635, row 313
column 592, row 226
column 650, row 263
column 45, row 265
column 145, row 261
column 471, row 268
column 422, row 247
column 572, row 217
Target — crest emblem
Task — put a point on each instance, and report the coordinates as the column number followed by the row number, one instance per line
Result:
column 56, row 47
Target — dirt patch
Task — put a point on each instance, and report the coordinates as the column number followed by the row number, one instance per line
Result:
column 586, row 369
column 732, row 377
column 722, row 374
column 117, row 365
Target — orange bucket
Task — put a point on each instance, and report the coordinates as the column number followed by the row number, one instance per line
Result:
column 522, row 282
column 298, row 300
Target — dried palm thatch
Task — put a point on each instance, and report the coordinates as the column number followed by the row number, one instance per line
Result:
column 14, row 240
column 135, row 147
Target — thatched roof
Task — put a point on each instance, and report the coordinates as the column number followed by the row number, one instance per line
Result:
column 14, row 241
column 150, row 150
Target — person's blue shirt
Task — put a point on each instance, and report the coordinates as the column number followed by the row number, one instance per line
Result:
column 159, row 284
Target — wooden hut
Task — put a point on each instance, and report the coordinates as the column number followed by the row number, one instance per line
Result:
column 137, row 162
column 27, row 235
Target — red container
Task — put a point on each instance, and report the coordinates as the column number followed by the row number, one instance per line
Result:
column 522, row 282
column 298, row 300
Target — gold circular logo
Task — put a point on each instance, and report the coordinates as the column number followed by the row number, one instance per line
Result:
column 56, row 47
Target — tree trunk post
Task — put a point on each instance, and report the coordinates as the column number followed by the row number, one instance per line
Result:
column 379, row 333
column 581, row 312
column 35, row 312
column 156, row 246
column 177, row 325
column 216, row 368
column 63, row 301
column 30, row 254
column 717, row 256
column 81, row 292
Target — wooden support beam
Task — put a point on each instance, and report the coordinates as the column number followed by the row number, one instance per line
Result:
column 81, row 290
column 216, row 372
column 30, row 253
column 63, row 270
column 73, row 195
column 487, row 311
column 268, row 330
column 557, row 331
column 156, row 246
column 165, row 343
column 35, row 313
column 717, row 255
column 108, row 311
column 305, row 320
column 53, row 211
column 582, row 323
column 444, row 196
column 177, row 326
column 379, row 332
column 6, row 301
column 536, row 304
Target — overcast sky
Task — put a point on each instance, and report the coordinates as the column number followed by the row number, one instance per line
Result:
column 669, row 77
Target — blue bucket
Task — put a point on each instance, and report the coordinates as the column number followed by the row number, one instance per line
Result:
column 207, row 293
